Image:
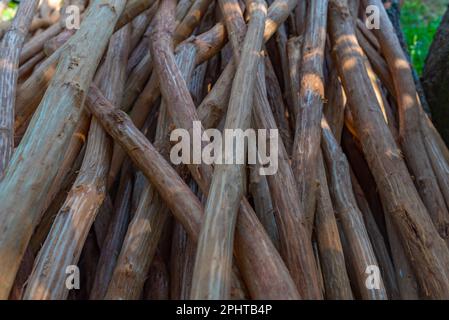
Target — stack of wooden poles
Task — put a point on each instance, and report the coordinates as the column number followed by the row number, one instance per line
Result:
column 92, row 207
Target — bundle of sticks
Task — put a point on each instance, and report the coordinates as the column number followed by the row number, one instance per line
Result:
column 93, row 207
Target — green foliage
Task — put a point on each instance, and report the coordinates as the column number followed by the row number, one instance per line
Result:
column 9, row 11
column 419, row 22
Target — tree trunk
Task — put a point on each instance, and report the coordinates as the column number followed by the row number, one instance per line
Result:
column 435, row 78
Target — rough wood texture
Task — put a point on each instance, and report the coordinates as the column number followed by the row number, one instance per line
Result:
column 360, row 253
column 114, row 237
column 191, row 20
column 145, row 229
column 186, row 208
column 332, row 259
column 10, row 48
column 349, row 209
column 257, row 277
column 435, row 78
column 411, row 138
column 211, row 277
column 295, row 240
column 395, row 185
column 32, row 90
column 206, row 45
column 41, row 151
column 306, row 147
column 86, row 196
column 378, row 242
column 133, row 9
column 295, row 245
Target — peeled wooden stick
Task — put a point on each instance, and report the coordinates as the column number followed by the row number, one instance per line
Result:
column 405, row 278
column 41, row 151
column 360, row 253
column 86, row 196
column 182, row 8
column 378, row 63
column 145, row 229
column 191, row 20
column 31, row 92
column 140, row 25
column 37, row 42
column 306, row 147
column 133, row 9
column 211, row 280
column 213, row 106
column 295, row 241
column 336, row 101
column 397, row 190
column 26, row 68
column 405, row 275
column 72, row 154
column 294, row 54
column 10, row 48
column 114, row 237
column 48, row 217
column 334, row 108
column 379, row 246
column 138, row 247
column 335, row 276
column 158, row 283
column 274, row 95
column 181, row 263
column 263, row 204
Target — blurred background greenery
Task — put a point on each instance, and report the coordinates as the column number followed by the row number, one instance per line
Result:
column 419, row 19
column 9, row 12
